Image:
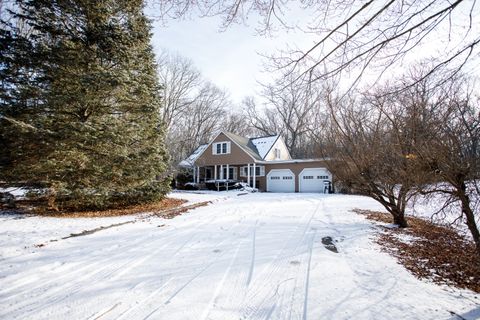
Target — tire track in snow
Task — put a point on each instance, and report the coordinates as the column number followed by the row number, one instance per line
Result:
column 224, row 307
column 170, row 284
column 74, row 268
column 177, row 251
column 59, row 294
column 220, row 285
column 260, row 296
column 307, row 281
column 100, row 273
column 252, row 261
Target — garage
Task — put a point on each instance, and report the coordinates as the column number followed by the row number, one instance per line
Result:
column 314, row 180
column 281, row 180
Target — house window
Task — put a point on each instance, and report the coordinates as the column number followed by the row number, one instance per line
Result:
column 221, row 148
column 277, row 153
column 232, row 173
column 287, row 178
column 322, row 177
column 307, row 177
column 274, row 178
column 259, row 171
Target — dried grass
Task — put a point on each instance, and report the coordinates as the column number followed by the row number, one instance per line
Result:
column 434, row 252
column 165, row 204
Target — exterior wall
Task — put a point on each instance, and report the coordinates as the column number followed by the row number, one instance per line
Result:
column 296, row 168
column 284, row 154
column 237, row 156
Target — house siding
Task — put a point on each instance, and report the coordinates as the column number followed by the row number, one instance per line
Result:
column 237, row 155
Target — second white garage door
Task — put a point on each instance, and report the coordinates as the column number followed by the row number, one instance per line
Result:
column 281, row 180
column 313, row 179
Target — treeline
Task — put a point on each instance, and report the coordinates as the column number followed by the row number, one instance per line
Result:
column 416, row 135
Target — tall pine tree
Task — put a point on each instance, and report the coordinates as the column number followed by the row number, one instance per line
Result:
column 79, row 103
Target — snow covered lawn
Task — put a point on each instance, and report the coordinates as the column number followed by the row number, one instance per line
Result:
column 253, row 256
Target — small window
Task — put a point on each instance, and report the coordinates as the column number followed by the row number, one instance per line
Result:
column 277, row 153
column 274, row 178
column 259, row 171
column 307, row 177
column 288, row 178
column 221, row 148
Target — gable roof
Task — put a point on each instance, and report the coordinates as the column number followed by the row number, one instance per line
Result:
column 193, row 157
column 264, row 144
column 257, row 148
column 245, row 144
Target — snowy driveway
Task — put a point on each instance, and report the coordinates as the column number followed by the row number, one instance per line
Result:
column 255, row 256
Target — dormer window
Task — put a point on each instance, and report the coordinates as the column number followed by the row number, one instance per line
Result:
column 221, row 147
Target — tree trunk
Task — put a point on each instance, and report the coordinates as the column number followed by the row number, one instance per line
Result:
column 468, row 212
column 400, row 221
column 399, row 218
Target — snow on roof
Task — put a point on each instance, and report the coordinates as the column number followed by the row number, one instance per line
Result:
column 193, row 157
column 264, row 144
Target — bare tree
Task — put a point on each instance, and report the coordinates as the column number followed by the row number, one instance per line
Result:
column 235, row 122
column 370, row 153
column 180, row 84
column 193, row 108
column 355, row 35
column 451, row 155
column 433, row 127
column 288, row 111
column 263, row 120
column 197, row 125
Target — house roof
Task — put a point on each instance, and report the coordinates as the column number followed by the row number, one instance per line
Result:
column 257, row 147
column 193, row 157
column 264, row 144
column 244, row 143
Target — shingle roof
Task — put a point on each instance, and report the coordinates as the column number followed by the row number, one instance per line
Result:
column 244, row 143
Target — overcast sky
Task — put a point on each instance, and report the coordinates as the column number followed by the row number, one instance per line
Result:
column 230, row 59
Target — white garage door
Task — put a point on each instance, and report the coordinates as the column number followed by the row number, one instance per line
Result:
column 280, row 180
column 313, row 180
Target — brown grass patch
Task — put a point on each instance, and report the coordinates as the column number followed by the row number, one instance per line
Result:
column 165, row 204
column 431, row 251
column 176, row 211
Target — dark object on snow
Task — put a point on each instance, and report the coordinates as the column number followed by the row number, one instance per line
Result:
column 328, row 244
column 7, row 200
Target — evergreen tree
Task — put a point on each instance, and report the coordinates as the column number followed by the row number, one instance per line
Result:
column 79, row 103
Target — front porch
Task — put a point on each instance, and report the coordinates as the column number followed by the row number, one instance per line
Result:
column 248, row 173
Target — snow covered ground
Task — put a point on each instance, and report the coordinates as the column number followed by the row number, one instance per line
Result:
column 245, row 256
column 433, row 208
